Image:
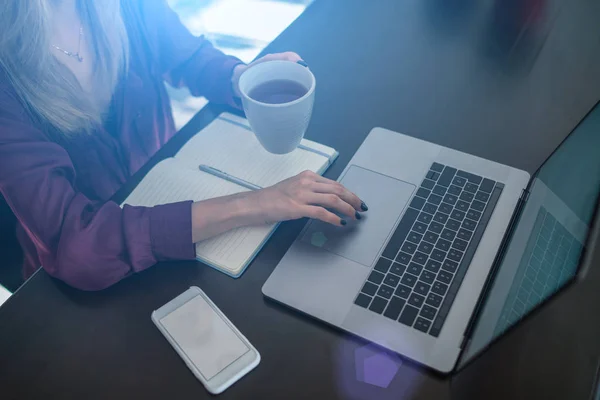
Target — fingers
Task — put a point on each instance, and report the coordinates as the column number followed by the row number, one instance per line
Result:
column 316, row 212
column 287, row 56
column 336, row 188
column 334, row 203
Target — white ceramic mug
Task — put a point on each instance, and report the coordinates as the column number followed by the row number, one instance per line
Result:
column 278, row 127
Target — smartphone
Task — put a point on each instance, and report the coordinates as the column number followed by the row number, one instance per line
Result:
column 211, row 346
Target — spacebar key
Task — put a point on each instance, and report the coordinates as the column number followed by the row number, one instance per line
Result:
column 400, row 234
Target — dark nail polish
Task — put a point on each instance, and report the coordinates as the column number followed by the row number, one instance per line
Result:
column 363, row 206
column 343, row 222
column 301, row 62
column 357, row 215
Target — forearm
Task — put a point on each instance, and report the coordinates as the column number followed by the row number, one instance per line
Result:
column 215, row 216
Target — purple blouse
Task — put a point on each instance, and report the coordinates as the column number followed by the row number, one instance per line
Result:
column 59, row 189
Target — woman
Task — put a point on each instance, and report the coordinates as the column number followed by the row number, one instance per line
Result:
column 83, row 106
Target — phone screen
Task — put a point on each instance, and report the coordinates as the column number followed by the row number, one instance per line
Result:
column 206, row 339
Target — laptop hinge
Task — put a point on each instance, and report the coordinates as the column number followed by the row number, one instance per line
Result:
column 495, row 267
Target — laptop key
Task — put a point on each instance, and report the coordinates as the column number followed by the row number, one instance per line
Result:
column 471, row 177
column 402, row 291
column 469, row 224
column 455, row 190
column 408, row 315
column 459, row 181
column 428, row 184
column 433, row 175
column 408, row 280
column 376, row 277
column 391, row 280
column 471, row 187
column 422, row 325
column 466, row 196
column 378, row 304
column 398, row 269
column 383, row 265
column 445, row 208
column 433, row 266
column 437, row 167
column 422, row 192
column 416, row 300
column 369, row 288
column 448, row 234
column 478, row 205
column 434, row 300
column 436, row 227
column 435, row 199
column 439, row 288
column 458, row 215
column 428, row 312
column 459, row 244
column 445, row 277
column 438, row 255
column 440, row 217
column 430, row 208
column 424, row 218
column 439, row 190
column 420, row 227
column 453, row 224
column 474, row 215
column 415, row 269
column 403, row 258
column 482, row 196
column 443, row 244
column 425, row 247
column 451, row 199
column 450, row 266
column 393, row 309
column 464, row 234
column 427, row 276
column 422, row 288
column 455, row 255
column 431, row 237
column 462, row 205
column 409, row 247
column 420, row 258
column 487, row 185
column 446, row 177
column 417, row 203
column 385, row 291
column 400, row 234
column 362, row 300
column 414, row 237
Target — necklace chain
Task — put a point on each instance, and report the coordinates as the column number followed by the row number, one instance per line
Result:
column 76, row 55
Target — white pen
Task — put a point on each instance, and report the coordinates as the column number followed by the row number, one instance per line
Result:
column 227, row 177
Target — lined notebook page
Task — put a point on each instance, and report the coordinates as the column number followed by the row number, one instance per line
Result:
column 171, row 181
column 229, row 145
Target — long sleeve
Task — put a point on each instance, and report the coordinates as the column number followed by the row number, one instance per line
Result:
column 88, row 244
column 184, row 59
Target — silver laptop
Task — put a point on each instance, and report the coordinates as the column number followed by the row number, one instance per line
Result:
column 453, row 250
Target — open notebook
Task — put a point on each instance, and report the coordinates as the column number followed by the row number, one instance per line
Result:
column 229, row 145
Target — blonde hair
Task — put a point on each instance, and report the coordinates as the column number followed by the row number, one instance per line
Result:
column 48, row 89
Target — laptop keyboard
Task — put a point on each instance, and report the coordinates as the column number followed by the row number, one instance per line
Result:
column 423, row 265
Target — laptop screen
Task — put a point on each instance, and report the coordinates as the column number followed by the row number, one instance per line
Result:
column 548, row 238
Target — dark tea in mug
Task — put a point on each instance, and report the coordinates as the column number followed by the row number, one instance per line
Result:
column 278, row 91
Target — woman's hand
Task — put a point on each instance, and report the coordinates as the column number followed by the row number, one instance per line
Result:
column 305, row 195
column 239, row 70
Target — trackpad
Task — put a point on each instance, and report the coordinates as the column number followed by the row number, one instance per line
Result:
column 361, row 241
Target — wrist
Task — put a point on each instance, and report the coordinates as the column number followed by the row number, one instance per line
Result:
column 215, row 216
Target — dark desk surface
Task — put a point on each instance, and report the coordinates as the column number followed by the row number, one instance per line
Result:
column 505, row 80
